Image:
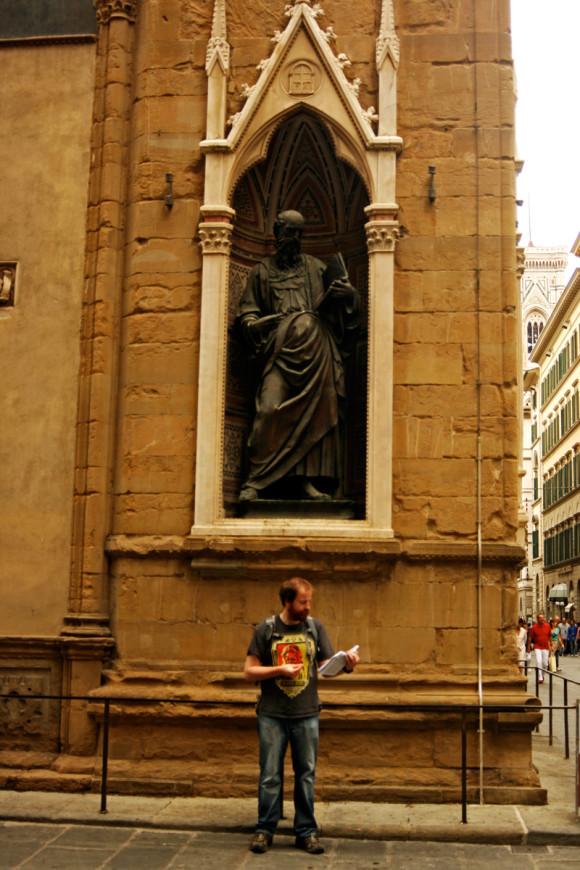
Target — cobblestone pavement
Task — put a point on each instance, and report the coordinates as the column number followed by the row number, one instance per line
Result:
column 26, row 846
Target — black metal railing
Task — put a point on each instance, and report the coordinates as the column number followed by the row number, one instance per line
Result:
column 565, row 682
column 470, row 715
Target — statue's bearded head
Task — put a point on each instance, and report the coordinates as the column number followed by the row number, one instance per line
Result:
column 288, row 229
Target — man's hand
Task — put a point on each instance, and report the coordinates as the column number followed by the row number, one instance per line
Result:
column 253, row 670
column 290, row 672
column 352, row 660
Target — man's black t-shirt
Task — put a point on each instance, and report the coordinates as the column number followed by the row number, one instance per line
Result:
column 284, row 698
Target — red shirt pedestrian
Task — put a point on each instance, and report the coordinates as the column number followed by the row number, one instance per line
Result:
column 540, row 635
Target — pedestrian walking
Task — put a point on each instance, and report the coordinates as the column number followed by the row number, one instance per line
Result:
column 284, row 655
column 521, row 640
column 540, row 637
column 556, row 640
column 573, row 637
column 564, row 636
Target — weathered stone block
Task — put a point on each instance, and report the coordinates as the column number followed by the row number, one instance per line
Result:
column 163, row 327
column 422, row 438
column 437, row 364
column 165, row 435
column 171, row 255
column 456, row 645
column 153, row 364
column 453, row 516
column 157, row 514
column 150, row 220
column 176, row 114
column 155, row 292
column 435, row 477
column 156, row 474
column 155, row 399
column 400, row 646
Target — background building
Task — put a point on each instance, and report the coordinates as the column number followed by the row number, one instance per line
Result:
column 541, row 285
column 555, row 447
column 149, row 152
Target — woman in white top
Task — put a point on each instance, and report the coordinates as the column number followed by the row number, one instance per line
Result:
column 521, row 639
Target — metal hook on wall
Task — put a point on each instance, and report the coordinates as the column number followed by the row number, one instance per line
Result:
column 432, row 191
column 169, row 194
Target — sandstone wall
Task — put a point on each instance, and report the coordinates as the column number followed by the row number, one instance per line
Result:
column 436, row 323
column 47, row 95
column 455, row 286
column 180, row 609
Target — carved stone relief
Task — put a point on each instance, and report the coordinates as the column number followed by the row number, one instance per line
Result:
column 7, row 284
column 301, row 78
column 19, row 714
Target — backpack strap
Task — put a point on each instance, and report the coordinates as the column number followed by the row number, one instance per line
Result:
column 270, row 623
column 312, row 629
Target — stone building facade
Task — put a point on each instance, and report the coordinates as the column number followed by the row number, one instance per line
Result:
column 541, row 284
column 552, row 384
column 161, row 147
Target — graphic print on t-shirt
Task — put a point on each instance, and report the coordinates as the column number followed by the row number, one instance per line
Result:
column 291, row 652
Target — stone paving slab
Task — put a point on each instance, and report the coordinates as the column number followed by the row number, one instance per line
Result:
column 555, row 823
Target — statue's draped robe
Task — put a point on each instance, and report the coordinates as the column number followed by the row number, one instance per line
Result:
column 300, row 396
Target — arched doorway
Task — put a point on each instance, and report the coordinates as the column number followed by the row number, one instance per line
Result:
column 301, row 172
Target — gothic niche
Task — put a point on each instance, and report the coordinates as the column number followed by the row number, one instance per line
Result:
column 302, row 173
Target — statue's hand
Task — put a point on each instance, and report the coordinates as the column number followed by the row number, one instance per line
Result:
column 342, row 289
column 261, row 327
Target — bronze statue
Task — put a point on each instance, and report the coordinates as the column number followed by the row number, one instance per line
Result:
column 296, row 315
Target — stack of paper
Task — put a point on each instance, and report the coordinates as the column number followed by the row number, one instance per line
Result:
column 334, row 666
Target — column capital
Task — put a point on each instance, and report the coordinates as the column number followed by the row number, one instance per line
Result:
column 382, row 235
column 215, row 237
column 108, row 9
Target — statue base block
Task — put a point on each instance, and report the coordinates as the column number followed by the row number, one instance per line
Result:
column 261, row 508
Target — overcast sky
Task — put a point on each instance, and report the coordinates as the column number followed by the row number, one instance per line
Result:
column 546, row 40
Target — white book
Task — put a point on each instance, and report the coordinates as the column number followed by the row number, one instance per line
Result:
column 334, row 666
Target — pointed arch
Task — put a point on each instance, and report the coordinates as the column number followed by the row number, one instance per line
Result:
column 300, row 171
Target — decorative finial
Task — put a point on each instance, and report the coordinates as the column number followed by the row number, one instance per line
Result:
column 387, row 40
column 217, row 47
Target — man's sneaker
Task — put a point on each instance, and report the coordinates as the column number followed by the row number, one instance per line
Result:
column 310, row 844
column 260, row 842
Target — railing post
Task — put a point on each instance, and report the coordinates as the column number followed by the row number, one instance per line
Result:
column 550, row 710
column 577, row 755
column 463, row 767
column 105, row 756
column 566, row 735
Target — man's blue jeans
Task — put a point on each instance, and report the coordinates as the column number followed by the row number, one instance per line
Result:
column 275, row 734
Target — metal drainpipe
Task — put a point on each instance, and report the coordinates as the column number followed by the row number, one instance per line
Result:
column 478, row 386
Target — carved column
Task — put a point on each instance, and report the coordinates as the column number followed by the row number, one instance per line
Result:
column 382, row 233
column 87, row 631
column 88, row 601
column 215, row 233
